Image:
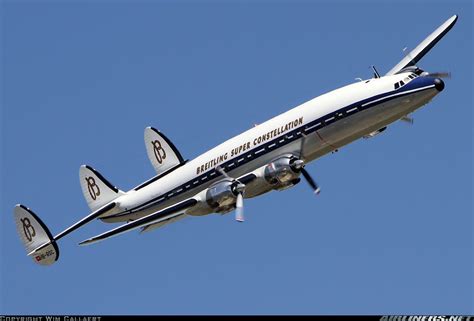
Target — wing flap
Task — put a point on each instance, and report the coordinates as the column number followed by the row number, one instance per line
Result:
column 160, row 216
column 426, row 45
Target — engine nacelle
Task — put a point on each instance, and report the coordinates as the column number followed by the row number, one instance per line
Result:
column 283, row 172
column 222, row 195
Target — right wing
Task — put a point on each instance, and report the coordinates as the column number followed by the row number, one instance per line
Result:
column 426, row 45
column 161, row 216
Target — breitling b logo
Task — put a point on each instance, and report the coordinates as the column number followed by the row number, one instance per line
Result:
column 28, row 229
column 158, row 150
column 94, row 190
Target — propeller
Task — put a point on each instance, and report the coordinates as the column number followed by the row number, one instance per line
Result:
column 311, row 182
column 239, row 208
column 298, row 166
column 407, row 119
column 439, row 74
column 239, row 189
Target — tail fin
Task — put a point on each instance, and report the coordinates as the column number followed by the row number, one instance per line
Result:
column 36, row 237
column 96, row 189
column 162, row 153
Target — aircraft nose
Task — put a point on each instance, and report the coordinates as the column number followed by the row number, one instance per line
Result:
column 439, row 84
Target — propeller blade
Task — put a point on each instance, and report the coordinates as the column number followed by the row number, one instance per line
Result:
column 440, row 74
column 407, row 119
column 239, row 208
column 239, row 188
column 222, row 172
column 310, row 181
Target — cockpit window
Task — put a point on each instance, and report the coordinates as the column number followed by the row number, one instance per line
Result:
column 406, row 80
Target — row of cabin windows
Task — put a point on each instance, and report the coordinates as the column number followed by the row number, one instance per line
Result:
column 401, row 83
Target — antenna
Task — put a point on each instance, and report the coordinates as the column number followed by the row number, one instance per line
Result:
column 376, row 73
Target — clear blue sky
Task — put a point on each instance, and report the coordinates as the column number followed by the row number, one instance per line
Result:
column 391, row 232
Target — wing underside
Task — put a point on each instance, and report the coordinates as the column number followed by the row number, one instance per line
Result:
column 153, row 226
column 154, row 220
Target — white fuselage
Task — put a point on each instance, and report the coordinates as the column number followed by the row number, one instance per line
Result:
column 327, row 122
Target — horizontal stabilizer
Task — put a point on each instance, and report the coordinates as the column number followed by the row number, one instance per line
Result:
column 35, row 235
column 162, row 215
column 97, row 213
column 426, row 45
column 161, row 151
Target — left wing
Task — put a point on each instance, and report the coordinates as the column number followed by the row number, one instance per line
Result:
column 153, row 226
column 162, row 216
column 426, row 45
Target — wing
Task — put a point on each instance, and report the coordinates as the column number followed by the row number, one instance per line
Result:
column 422, row 49
column 164, row 215
column 153, row 226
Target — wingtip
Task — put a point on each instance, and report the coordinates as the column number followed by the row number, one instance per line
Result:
column 86, row 242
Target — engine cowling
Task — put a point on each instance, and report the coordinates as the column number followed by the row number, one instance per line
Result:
column 222, row 196
column 283, row 172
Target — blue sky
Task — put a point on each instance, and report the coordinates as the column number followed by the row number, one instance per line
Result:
column 391, row 232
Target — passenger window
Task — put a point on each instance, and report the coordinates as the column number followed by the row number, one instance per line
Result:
column 397, row 85
column 402, row 83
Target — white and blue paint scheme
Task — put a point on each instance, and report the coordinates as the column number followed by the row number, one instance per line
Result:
column 269, row 156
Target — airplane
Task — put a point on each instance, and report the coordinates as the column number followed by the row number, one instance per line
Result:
column 269, row 156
